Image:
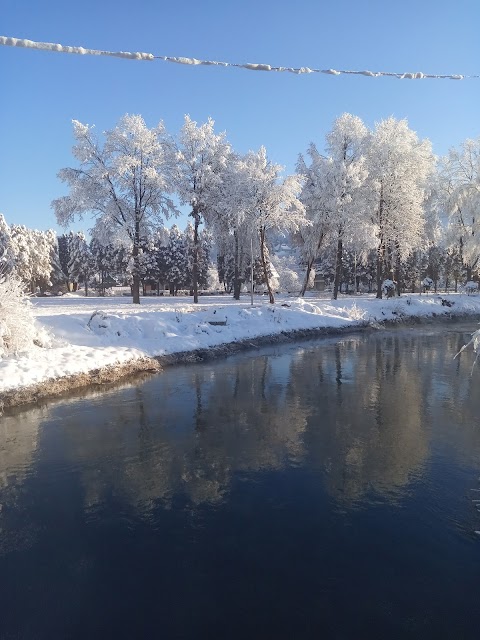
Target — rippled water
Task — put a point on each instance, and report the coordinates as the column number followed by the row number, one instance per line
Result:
column 318, row 490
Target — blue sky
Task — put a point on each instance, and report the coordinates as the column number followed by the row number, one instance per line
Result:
column 42, row 92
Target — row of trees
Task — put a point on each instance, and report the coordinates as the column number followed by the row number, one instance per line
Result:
column 39, row 259
column 377, row 199
column 128, row 185
column 378, row 190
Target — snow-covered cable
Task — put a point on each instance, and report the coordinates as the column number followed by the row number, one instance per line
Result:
column 49, row 46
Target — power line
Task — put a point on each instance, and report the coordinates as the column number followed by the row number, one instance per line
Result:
column 59, row 48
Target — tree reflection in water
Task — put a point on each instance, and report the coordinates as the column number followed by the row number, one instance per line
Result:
column 309, row 490
column 359, row 410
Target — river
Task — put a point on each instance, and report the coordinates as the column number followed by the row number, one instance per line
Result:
column 322, row 489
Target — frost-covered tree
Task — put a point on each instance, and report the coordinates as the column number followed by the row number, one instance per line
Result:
column 289, row 278
column 202, row 251
column 68, row 243
column 345, row 174
column 400, row 166
column 273, row 204
column 201, row 158
column 459, row 178
column 310, row 238
column 124, row 184
column 106, row 261
column 64, row 258
column 235, row 238
column 81, row 263
column 413, row 270
column 226, row 267
column 7, row 258
column 333, row 192
column 17, row 324
column 152, row 258
column 36, row 257
column 452, row 267
column 178, row 273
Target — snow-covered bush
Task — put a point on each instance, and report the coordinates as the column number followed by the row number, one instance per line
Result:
column 289, row 279
column 17, row 324
column 388, row 288
column 356, row 313
column 213, row 283
column 427, row 284
column 471, row 287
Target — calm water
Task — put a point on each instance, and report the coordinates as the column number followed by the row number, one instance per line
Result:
column 315, row 490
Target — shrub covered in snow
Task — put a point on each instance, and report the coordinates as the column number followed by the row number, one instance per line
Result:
column 287, row 270
column 388, row 288
column 17, row 325
column 471, row 287
column 427, row 284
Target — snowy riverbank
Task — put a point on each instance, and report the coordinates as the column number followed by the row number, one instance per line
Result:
column 94, row 340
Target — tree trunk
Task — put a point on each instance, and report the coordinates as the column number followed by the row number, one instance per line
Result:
column 307, row 276
column 310, row 265
column 264, row 265
column 236, row 276
column 381, row 247
column 338, row 268
column 398, row 276
column 135, row 256
column 380, row 261
column 196, row 217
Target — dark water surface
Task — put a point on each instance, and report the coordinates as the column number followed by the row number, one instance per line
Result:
column 315, row 490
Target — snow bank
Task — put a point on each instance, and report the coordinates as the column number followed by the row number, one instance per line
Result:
column 88, row 334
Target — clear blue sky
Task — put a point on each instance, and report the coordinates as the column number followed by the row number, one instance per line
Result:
column 42, row 92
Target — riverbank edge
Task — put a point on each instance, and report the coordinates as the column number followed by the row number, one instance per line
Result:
column 56, row 387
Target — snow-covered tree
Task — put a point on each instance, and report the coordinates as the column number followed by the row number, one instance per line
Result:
column 226, row 267
column 7, row 259
column 64, row 258
column 346, row 177
column 452, row 267
column 235, row 238
column 459, row 179
column 36, row 257
column 333, row 192
column 178, row 273
column 400, row 166
column 105, row 264
column 310, row 238
column 289, row 278
column 201, row 159
column 273, row 204
column 124, row 184
column 81, row 263
column 202, row 252
column 69, row 246
column 153, row 257
column 17, row 324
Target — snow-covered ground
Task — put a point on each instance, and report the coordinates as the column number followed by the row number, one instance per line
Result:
column 87, row 334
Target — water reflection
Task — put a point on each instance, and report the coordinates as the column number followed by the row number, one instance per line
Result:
column 360, row 411
column 322, row 489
